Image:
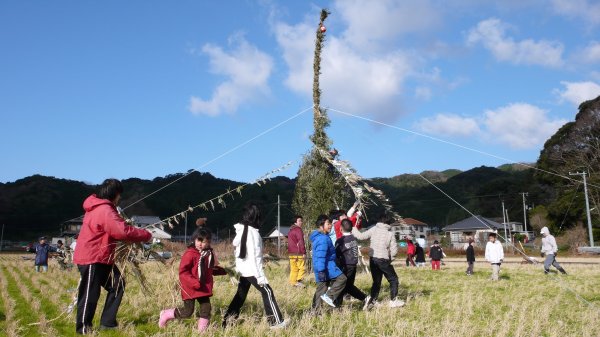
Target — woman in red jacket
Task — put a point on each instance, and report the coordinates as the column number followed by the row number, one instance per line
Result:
column 102, row 228
column 410, row 252
column 196, row 270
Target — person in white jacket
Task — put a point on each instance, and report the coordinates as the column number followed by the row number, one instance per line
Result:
column 494, row 254
column 249, row 263
column 549, row 249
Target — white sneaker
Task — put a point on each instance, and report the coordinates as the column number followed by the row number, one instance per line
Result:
column 328, row 300
column 367, row 303
column 280, row 325
column 396, row 303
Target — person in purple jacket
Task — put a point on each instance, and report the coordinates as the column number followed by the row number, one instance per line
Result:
column 296, row 252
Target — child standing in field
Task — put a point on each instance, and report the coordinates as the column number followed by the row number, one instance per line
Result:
column 196, row 270
column 436, row 254
column 549, row 250
column 494, row 254
column 346, row 249
column 383, row 249
column 470, row 257
column 249, row 263
column 420, row 255
column 330, row 279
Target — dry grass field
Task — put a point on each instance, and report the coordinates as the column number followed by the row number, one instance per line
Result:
column 444, row 303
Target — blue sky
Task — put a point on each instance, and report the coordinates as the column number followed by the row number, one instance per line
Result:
column 90, row 90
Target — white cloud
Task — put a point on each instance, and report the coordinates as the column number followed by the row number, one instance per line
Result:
column 423, row 93
column 360, row 73
column 491, row 33
column 578, row 92
column 371, row 22
column 520, row 125
column 591, row 53
column 247, row 70
column 589, row 11
column 448, row 125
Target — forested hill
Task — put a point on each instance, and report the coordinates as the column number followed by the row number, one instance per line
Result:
column 37, row 205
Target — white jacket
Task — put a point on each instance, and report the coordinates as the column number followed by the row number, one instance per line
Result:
column 252, row 264
column 494, row 253
column 549, row 246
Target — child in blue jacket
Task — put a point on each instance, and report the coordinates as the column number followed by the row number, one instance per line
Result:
column 330, row 279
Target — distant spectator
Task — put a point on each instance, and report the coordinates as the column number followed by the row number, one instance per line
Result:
column 436, row 254
column 410, row 251
column 420, row 254
column 494, row 254
column 41, row 250
column 61, row 255
column 549, row 249
column 470, row 257
column 74, row 243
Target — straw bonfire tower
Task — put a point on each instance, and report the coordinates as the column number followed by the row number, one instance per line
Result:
column 319, row 187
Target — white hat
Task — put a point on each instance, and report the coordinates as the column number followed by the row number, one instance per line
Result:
column 544, row 230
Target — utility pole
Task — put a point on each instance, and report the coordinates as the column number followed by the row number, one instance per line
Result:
column 185, row 230
column 504, row 222
column 278, row 226
column 2, row 238
column 525, row 213
column 587, row 205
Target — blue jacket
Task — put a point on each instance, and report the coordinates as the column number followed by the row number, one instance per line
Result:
column 323, row 255
column 41, row 253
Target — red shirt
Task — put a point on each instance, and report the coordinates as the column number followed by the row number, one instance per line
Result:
column 191, row 287
column 101, row 229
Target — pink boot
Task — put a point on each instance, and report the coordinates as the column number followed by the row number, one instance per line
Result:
column 203, row 324
column 165, row 316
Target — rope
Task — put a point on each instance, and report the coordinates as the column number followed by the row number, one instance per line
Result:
column 222, row 155
column 456, row 145
column 555, row 278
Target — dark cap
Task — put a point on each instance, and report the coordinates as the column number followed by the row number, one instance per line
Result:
column 436, row 242
column 42, row 238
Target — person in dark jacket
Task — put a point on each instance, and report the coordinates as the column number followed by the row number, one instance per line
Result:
column 196, row 269
column 41, row 250
column 436, row 254
column 470, row 257
column 102, row 228
column 330, row 279
column 420, row 255
column 346, row 250
column 296, row 252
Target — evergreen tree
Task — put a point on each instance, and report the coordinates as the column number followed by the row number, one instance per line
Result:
column 319, row 187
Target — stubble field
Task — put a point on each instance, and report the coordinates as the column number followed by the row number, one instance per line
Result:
column 525, row 302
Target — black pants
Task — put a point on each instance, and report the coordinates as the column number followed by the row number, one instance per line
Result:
column 94, row 276
column 333, row 288
column 380, row 268
column 271, row 308
column 188, row 308
column 350, row 289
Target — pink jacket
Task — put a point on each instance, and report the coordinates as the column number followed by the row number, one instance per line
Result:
column 102, row 228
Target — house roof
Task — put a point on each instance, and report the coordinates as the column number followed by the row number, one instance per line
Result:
column 473, row 223
column 142, row 220
column 274, row 233
column 414, row 222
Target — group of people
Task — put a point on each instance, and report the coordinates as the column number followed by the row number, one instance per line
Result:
column 43, row 252
column 335, row 258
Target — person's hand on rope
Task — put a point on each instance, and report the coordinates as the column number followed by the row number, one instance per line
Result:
column 542, row 254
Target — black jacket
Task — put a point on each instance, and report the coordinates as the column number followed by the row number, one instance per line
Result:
column 435, row 253
column 420, row 254
column 470, row 254
column 346, row 249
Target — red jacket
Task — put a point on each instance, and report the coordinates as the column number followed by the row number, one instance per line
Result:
column 296, row 241
column 101, row 229
column 191, row 287
column 356, row 222
column 410, row 248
